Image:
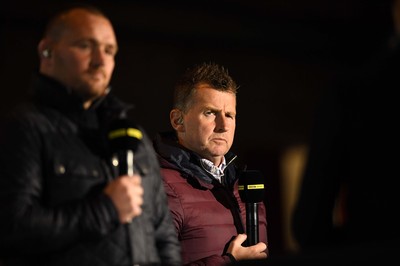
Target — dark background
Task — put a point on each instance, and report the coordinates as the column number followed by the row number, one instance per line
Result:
column 282, row 53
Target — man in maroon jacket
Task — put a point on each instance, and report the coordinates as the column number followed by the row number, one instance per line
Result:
column 200, row 173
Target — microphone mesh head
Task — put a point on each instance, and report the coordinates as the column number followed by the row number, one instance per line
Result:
column 123, row 135
column 251, row 186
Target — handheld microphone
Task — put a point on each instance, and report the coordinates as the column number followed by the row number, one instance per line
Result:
column 251, row 191
column 124, row 137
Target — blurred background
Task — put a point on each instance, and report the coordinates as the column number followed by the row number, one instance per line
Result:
column 282, row 53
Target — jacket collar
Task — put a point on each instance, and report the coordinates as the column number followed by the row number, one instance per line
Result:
column 48, row 92
column 175, row 156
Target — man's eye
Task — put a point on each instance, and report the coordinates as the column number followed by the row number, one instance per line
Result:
column 111, row 51
column 83, row 45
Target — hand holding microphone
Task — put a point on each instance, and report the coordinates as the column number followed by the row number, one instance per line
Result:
column 252, row 252
column 126, row 190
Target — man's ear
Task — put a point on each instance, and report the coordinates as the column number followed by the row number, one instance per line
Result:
column 44, row 49
column 176, row 119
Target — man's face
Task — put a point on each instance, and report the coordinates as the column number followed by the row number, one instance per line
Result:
column 83, row 57
column 209, row 124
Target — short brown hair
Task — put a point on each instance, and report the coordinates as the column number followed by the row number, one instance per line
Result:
column 210, row 73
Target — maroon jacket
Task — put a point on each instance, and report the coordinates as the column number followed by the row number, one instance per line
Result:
column 207, row 214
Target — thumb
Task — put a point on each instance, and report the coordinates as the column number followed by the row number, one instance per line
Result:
column 241, row 238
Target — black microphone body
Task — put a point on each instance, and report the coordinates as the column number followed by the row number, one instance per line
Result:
column 124, row 137
column 251, row 191
column 252, row 223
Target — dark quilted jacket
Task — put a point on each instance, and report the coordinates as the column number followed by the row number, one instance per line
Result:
column 53, row 168
column 207, row 215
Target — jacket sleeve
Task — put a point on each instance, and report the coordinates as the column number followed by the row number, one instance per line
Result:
column 27, row 224
column 214, row 260
column 166, row 239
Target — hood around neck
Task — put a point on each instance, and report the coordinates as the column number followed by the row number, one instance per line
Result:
column 175, row 156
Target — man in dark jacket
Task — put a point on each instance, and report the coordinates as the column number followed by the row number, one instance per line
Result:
column 60, row 202
column 199, row 172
